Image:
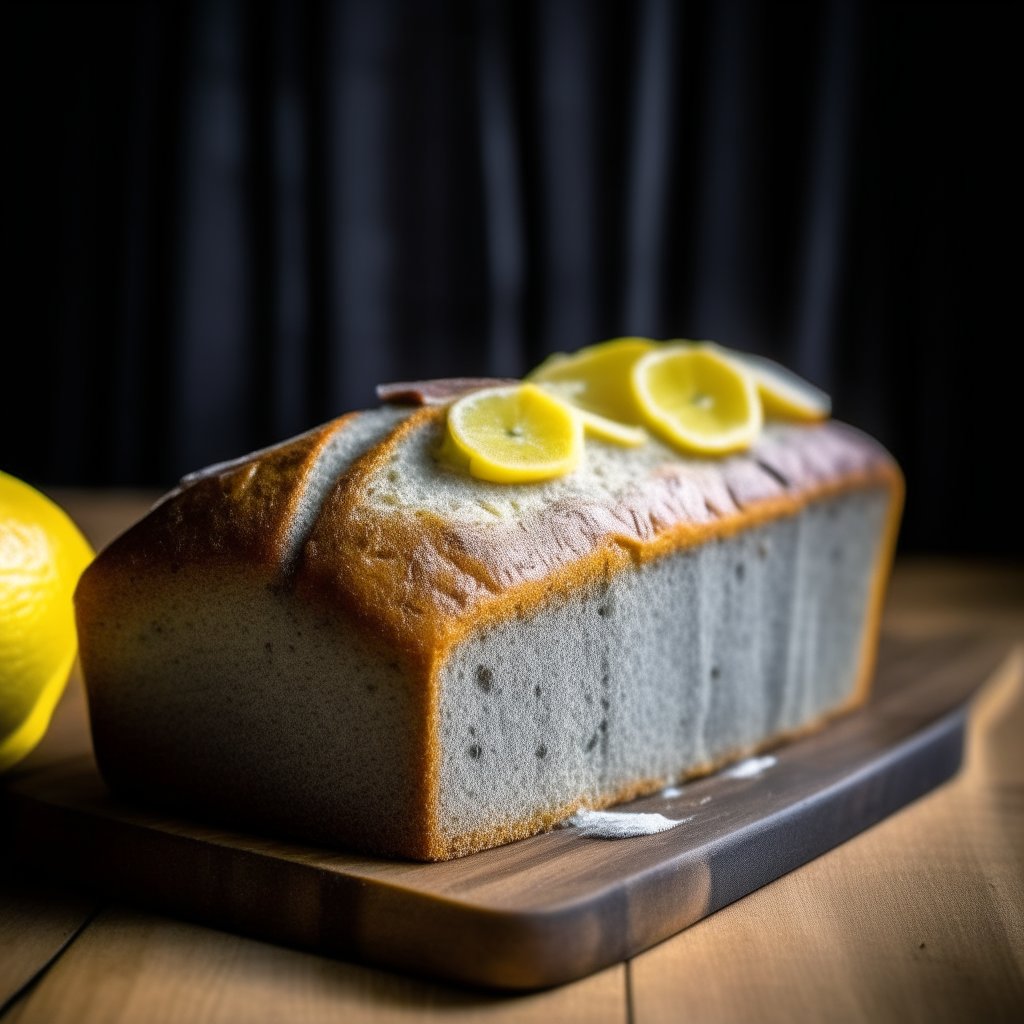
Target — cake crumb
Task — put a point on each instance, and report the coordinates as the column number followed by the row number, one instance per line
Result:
column 620, row 824
column 750, row 768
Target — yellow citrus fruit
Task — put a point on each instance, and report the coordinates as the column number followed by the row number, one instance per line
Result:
column 515, row 434
column 597, row 378
column 698, row 399
column 42, row 554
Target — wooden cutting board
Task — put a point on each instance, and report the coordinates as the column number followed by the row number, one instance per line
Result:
column 543, row 910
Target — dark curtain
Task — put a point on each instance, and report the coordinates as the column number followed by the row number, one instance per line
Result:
column 225, row 221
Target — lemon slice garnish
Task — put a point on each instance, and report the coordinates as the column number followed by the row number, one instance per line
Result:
column 698, row 399
column 600, row 427
column 515, row 434
column 785, row 394
column 596, row 378
column 612, row 431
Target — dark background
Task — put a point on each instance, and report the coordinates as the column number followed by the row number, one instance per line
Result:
column 223, row 222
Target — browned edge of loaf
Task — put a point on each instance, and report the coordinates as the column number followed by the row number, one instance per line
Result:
column 417, row 585
column 241, row 510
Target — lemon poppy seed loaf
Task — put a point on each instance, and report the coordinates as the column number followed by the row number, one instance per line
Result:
column 340, row 639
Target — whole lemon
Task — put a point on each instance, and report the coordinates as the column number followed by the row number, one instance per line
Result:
column 42, row 554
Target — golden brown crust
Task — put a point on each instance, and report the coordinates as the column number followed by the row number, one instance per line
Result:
column 241, row 511
column 424, row 583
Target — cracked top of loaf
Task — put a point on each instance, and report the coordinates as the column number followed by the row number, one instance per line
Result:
column 362, row 517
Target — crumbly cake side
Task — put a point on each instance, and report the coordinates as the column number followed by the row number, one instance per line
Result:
column 357, row 535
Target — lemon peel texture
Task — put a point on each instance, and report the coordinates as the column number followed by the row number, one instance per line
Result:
column 42, row 555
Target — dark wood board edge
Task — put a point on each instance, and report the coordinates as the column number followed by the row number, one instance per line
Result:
column 393, row 927
column 912, row 742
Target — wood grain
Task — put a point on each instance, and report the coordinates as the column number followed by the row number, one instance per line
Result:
column 939, row 596
column 131, row 967
column 39, row 917
column 919, row 918
column 37, row 920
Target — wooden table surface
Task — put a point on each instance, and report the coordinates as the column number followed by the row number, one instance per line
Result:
column 919, row 918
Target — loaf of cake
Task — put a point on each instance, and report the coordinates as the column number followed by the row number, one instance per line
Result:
column 341, row 639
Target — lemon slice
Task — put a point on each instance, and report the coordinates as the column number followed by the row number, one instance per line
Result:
column 598, row 377
column 515, row 434
column 698, row 399
column 612, row 431
column 600, row 427
column 785, row 394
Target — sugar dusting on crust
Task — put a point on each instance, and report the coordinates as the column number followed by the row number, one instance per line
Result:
column 786, row 459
